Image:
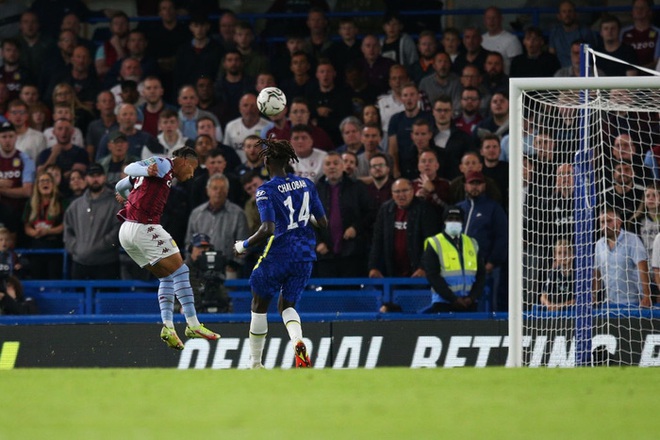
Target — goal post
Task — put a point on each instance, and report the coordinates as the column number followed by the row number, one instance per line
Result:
column 597, row 110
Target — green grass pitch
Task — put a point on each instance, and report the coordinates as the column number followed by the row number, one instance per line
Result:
column 385, row 403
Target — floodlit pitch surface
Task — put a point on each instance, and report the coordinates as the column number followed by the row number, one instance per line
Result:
column 385, row 403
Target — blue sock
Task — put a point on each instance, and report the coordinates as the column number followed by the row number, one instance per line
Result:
column 166, row 301
column 184, row 294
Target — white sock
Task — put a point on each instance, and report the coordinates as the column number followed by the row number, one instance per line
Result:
column 169, row 324
column 258, row 332
column 292, row 323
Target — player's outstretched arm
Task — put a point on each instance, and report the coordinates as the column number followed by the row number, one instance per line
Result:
column 123, row 187
column 321, row 223
column 263, row 233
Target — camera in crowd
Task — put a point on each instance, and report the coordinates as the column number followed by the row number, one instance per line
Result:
column 208, row 276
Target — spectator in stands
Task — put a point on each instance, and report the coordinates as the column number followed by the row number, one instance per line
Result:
column 400, row 145
column 205, row 87
column 429, row 185
column 330, row 102
column 107, row 122
column 567, row 31
column 28, row 140
column 33, row 44
column 493, row 167
column 249, row 123
column 396, row 44
column 77, row 186
column 375, row 66
column 154, row 105
column 450, row 142
column 621, row 275
column 64, row 153
column 641, row 35
column 300, row 114
column 253, row 61
column 10, row 262
column 625, row 150
column 341, row 248
column 71, row 21
column 13, row 300
column 495, row 79
column 264, row 79
column 573, row 69
column 232, row 83
column 57, row 60
column 451, row 45
column 474, row 54
column 610, row 28
column 130, row 71
column 206, row 126
column 170, row 136
column 557, row 291
column 390, row 103
column 223, row 221
column 623, row 195
column 17, row 171
column 456, row 274
column 91, row 230
column 84, row 86
column 496, row 39
column 471, row 163
column 51, row 14
column 66, row 101
column 427, row 46
column 350, row 161
column 310, row 164
column 470, row 116
column 487, row 222
column 443, row 82
column 190, row 113
column 226, row 27
column 534, row 62
column 43, row 225
column 114, row 48
column 302, row 82
column 253, row 163
column 401, row 227
column 498, row 121
column 207, row 276
column 319, row 35
column 201, row 56
column 380, row 187
column 214, row 161
column 645, row 222
column 280, row 61
column 371, row 138
column 351, row 129
column 136, row 48
column 346, row 50
column 370, row 115
column 251, row 182
column 471, row 77
column 140, row 143
column 118, row 157
column 12, row 72
column 40, row 116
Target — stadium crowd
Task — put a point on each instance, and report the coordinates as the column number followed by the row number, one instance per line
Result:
column 393, row 127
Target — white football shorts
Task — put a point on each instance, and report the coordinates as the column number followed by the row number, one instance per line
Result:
column 146, row 244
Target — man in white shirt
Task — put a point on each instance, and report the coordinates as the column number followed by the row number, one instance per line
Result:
column 310, row 163
column 249, row 123
column 496, row 39
column 28, row 140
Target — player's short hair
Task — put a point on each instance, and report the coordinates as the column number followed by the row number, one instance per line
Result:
column 185, row 153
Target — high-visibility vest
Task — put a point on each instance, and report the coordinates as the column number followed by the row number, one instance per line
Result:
column 459, row 277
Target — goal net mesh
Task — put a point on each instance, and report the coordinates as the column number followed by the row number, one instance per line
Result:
column 591, row 213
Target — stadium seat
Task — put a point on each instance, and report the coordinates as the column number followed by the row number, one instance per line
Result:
column 411, row 301
column 340, row 301
column 58, row 303
column 122, row 303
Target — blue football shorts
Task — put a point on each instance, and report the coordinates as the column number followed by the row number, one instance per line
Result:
column 271, row 277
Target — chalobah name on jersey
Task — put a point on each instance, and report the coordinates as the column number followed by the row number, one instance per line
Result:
column 290, row 186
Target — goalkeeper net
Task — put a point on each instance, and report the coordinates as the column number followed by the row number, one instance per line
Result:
column 585, row 212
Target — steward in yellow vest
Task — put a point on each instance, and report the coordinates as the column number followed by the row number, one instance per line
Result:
column 453, row 269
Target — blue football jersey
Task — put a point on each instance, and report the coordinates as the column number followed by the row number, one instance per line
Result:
column 289, row 202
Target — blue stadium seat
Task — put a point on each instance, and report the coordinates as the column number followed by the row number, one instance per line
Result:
column 122, row 303
column 58, row 303
column 411, row 301
column 340, row 301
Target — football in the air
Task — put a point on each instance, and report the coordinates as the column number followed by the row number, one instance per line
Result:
column 271, row 101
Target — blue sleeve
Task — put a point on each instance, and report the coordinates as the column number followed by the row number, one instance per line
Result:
column 316, row 206
column 29, row 169
column 265, row 205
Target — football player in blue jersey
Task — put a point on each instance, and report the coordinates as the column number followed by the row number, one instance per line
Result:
column 288, row 205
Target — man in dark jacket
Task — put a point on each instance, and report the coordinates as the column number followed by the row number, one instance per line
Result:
column 341, row 248
column 401, row 227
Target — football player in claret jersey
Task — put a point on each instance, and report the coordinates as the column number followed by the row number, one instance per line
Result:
column 145, row 191
column 288, row 205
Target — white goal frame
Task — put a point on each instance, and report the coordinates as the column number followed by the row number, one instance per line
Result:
column 517, row 86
